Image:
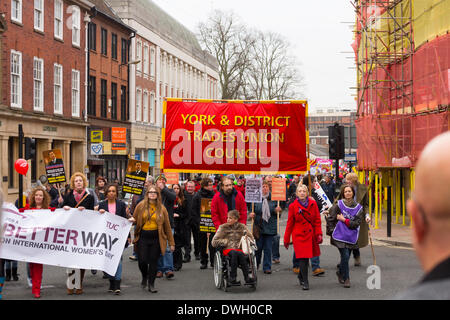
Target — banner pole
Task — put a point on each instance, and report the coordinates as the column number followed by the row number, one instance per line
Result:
column 253, row 210
column 278, row 219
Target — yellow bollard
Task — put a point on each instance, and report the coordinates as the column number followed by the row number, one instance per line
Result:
column 370, row 193
column 412, row 176
column 376, row 201
column 397, row 197
column 403, row 206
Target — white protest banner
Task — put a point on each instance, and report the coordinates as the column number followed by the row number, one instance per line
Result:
column 253, row 190
column 323, row 198
column 74, row 239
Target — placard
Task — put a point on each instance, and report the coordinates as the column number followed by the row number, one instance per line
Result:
column 323, row 198
column 253, row 190
column 206, row 223
column 135, row 176
column 172, row 177
column 278, row 189
column 54, row 166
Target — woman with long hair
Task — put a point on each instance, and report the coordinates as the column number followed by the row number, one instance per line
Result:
column 100, row 188
column 343, row 225
column 38, row 199
column 77, row 197
column 151, row 233
column 117, row 207
column 179, row 218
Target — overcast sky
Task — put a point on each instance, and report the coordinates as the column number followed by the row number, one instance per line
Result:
column 319, row 31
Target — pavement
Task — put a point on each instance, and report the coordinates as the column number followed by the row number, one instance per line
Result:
column 401, row 235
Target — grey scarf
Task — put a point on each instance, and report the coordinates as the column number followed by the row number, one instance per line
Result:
column 265, row 208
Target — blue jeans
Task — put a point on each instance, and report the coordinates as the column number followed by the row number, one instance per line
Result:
column 165, row 262
column 264, row 243
column 276, row 247
column 344, row 269
column 118, row 275
column 315, row 262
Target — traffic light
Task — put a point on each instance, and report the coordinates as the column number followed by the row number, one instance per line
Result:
column 336, row 142
column 30, row 148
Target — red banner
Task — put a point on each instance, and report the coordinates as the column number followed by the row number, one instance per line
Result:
column 235, row 137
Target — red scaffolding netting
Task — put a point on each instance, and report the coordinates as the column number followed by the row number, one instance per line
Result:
column 397, row 140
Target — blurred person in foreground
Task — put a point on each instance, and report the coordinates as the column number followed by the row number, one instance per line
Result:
column 430, row 213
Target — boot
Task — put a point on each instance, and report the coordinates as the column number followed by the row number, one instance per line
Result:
column 117, row 287
column 8, row 275
column 304, row 273
column 151, row 287
column 144, row 282
column 300, row 279
column 14, row 274
column 111, row 285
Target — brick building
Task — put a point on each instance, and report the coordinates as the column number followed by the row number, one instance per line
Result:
column 109, row 39
column 171, row 63
column 320, row 120
column 43, row 85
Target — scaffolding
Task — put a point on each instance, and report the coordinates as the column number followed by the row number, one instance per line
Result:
column 403, row 91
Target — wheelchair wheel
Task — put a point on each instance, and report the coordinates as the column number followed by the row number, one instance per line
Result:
column 253, row 269
column 218, row 271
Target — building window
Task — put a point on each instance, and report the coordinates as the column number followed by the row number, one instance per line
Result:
column 145, row 59
column 92, row 36
column 103, row 96
column 138, row 105
column 145, row 106
column 123, row 103
column 114, row 46
column 104, row 41
column 124, row 51
column 39, row 15
column 138, row 56
column 152, row 62
column 16, row 79
column 76, row 22
column 59, row 19
column 152, row 108
column 16, row 10
column 92, row 106
column 38, row 84
column 57, row 88
column 75, row 93
column 113, row 100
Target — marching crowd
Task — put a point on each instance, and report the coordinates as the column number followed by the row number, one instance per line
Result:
column 166, row 219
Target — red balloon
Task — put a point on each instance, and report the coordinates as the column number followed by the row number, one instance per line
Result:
column 21, row 166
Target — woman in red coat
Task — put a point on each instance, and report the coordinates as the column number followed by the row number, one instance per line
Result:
column 39, row 199
column 305, row 226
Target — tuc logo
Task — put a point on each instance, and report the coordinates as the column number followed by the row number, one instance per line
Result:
column 112, row 226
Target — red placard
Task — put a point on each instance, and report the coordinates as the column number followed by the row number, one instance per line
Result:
column 278, row 189
column 235, row 137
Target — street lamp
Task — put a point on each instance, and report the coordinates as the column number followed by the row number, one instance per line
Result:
column 128, row 63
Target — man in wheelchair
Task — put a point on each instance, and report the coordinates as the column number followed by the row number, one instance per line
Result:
column 229, row 238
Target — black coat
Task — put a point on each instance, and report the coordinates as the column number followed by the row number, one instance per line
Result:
column 168, row 198
column 88, row 202
column 189, row 208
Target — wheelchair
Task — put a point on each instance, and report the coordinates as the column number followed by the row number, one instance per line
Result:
column 222, row 270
